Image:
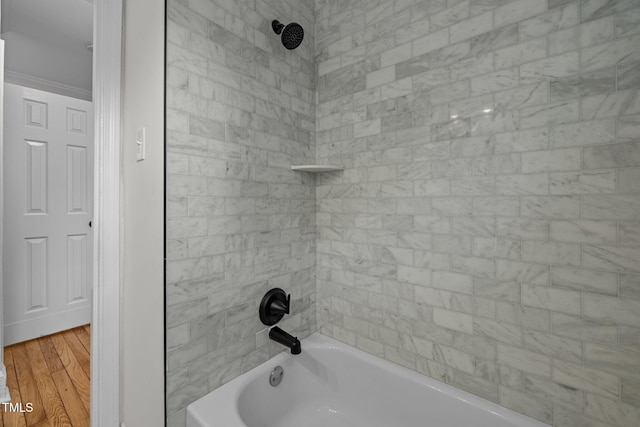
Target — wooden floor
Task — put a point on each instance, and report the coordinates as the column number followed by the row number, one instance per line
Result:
column 51, row 373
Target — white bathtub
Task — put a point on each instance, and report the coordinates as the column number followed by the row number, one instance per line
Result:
column 334, row 385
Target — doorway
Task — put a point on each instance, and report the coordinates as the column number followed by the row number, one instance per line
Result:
column 48, row 204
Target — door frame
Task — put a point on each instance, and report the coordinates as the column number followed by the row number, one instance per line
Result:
column 105, row 328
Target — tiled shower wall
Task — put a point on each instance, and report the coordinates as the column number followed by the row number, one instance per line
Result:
column 486, row 229
column 240, row 111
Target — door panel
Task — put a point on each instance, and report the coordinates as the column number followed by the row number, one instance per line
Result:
column 48, row 176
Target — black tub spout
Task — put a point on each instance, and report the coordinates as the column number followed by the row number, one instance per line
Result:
column 280, row 336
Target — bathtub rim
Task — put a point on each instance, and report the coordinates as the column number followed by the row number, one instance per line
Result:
column 227, row 395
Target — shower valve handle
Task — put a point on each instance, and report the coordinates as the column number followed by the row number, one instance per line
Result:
column 274, row 305
column 281, row 307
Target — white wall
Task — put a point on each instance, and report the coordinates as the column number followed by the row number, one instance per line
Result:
column 142, row 380
column 36, row 63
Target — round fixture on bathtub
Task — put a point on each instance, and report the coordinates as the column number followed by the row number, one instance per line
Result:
column 275, row 378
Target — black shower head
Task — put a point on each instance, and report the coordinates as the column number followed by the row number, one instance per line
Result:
column 292, row 34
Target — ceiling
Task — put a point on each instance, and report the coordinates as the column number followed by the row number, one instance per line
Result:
column 58, row 22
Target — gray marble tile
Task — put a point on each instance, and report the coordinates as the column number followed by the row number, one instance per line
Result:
column 630, row 391
column 601, row 282
column 611, row 411
column 596, row 82
column 622, row 207
column 521, row 402
column 588, row 182
column 612, row 258
column 628, row 76
column 492, row 40
column 524, row 360
column 585, row 378
column 585, row 330
column 611, row 309
column 593, row 9
column 560, row 207
column 562, row 14
column 627, row 23
column 630, row 285
column 612, row 156
column 560, row 300
column 612, row 360
column 552, row 391
column 593, row 232
column 521, row 315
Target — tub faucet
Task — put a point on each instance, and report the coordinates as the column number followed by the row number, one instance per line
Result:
column 280, row 336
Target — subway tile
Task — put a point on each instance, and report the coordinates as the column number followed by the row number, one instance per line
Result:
column 610, row 105
column 498, row 290
column 593, row 232
column 517, row 11
column 522, row 97
column 453, row 320
column 551, row 253
column 584, row 378
column 620, row 207
column 529, row 140
column 630, row 391
column 493, row 40
column 554, row 346
column 629, row 233
column 583, row 133
column 594, row 281
column 611, row 411
column 593, row 9
column 493, row 247
column 585, row 330
column 521, row 53
column 614, row 361
column 612, row 156
column 617, row 52
column 551, row 391
column 585, row 182
column 522, row 184
column 523, row 316
column 516, row 400
column 564, row 112
column 558, row 17
column 522, row 272
column 630, row 285
column 629, row 338
column 553, row 207
column 626, row 23
column 566, row 417
column 628, row 179
column 474, row 26
column 611, row 258
column 550, row 68
column 628, row 128
column 524, row 360
column 560, row 300
column 612, row 309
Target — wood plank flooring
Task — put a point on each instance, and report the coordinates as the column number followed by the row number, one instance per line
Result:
column 51, row 373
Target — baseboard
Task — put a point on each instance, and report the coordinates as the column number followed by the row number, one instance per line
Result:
column 5, row 396
column 46, row 325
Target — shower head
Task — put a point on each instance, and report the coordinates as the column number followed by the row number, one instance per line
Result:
column 292, row 34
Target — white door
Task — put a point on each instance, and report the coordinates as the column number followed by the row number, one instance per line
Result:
column 48, row 194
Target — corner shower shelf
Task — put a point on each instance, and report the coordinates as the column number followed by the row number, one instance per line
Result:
column 316, row 168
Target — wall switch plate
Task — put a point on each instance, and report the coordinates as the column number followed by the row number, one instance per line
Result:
column 141, row 138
